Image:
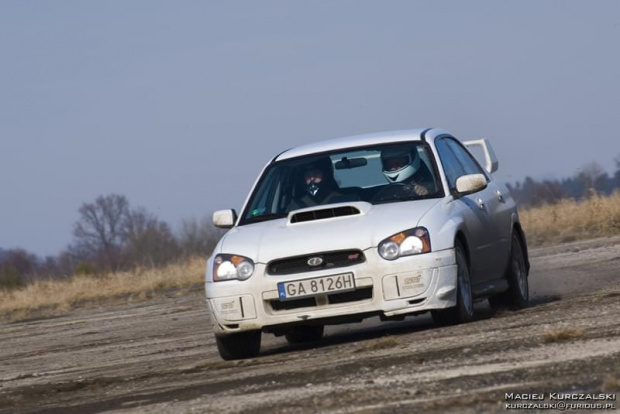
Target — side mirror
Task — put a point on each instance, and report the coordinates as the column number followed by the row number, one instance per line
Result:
column 224, row 219
column 469, row 184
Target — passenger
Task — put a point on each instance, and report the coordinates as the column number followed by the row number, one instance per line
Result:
column 318, row 186
column 403, row 165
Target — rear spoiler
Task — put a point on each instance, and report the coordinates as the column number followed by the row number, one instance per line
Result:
column 491, row 163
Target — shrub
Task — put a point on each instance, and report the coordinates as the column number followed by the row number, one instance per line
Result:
column 10, row 278
column 83, row 269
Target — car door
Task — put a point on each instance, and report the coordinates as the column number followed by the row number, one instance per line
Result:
column 476, row 219
column 494, row 213
column 501, row 210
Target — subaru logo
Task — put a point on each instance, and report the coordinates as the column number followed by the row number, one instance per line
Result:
column 315, row 261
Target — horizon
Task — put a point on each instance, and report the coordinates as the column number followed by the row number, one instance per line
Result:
column 175, row 228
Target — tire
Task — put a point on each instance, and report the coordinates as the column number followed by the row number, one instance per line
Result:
column 517, row 296
column 240, row 345
column 303, row 334
column 463, row 312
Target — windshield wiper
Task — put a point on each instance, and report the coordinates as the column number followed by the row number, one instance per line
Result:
column 397, row 199
column 263, row 217
column 408, row 198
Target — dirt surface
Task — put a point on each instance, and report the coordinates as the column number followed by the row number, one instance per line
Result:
column 160, row 356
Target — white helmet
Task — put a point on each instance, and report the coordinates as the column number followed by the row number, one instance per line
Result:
column 399, row 163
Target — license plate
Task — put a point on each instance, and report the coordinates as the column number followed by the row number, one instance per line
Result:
column 316, row 286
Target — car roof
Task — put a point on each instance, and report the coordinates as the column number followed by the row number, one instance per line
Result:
column 359, row 141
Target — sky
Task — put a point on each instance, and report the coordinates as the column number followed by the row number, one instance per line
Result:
column 178, row 105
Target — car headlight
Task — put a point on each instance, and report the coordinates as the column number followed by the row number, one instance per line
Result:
column 405, row 243
column 231, row 267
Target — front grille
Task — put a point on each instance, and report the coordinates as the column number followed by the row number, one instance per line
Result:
column 353, row 296
column 276, row 305
column 330, row 260
column 357, row 295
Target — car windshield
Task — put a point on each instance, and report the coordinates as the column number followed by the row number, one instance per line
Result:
column 378, row 174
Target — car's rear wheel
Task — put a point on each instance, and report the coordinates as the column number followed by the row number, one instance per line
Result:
column 463, row 312
column 517, row 296
column 239, row 345
column 302, row 334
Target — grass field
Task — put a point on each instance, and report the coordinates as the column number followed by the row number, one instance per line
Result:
column 563, row 222
column 62, row 295
column 570, row 220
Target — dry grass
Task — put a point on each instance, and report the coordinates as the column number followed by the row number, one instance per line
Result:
column 562, row 334
column 379, row 344
column 66, row 294
column 610, row 383
column 570, row 220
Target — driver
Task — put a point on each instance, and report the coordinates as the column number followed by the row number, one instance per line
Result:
column 403, row 165
column 318, row 185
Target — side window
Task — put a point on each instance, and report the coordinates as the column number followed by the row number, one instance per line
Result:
column 451, row 165
column 467, row 161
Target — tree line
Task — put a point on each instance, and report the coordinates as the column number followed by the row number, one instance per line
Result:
column 590, row 179
column 111, row 235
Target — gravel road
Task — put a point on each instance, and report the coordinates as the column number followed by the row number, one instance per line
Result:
column 160, row 356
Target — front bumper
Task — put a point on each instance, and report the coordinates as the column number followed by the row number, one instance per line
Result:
column 407, row 285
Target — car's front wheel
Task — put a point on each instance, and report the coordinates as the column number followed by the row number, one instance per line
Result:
column 517, row 296
column 463, row 312
column 239, row 345
column 302, row 334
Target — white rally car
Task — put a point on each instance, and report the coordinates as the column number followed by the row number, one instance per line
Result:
column 388, row 224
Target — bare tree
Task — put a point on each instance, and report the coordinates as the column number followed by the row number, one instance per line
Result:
column 68, row 259
column 99, row 231
column 148, row 240
column 616, row 183
column 589, row 175
column 198, row 237
column 17, row 267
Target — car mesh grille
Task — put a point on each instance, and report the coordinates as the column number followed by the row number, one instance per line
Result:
column 276, row 305
column 353, row 296
column 357, row 295
column 330, row 260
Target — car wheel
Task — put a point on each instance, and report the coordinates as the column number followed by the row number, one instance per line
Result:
column 302, row 334
column 463, row 312
column 517, row 296
column 239, row 345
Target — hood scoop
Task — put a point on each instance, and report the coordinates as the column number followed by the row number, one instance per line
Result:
column 354, row 208
column 324, row 213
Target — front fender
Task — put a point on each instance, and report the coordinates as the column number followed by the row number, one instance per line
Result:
column 443, row 223
column 516, row 227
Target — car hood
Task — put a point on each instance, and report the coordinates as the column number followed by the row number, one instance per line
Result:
column 274, row 239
